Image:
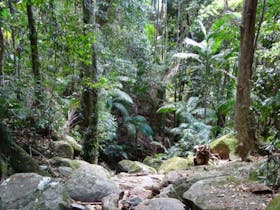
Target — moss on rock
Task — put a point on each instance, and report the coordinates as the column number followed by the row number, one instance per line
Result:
column 152, row 162
column 63, row 149
column 59, row 161
column 224, row 145
column 176, row 163
column 136, row 167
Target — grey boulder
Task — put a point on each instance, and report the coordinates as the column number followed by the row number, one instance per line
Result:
column 90, row 183
column 30, row 191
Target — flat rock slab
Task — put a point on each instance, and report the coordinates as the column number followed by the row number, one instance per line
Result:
column 220, row 193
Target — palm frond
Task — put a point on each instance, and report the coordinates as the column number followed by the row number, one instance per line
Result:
column 131, row 129
column 192, row 103
column 167, row 108
column 201, row 45
column 122, row 109
column 203, row 29
column 146, row 129
column 122, row 96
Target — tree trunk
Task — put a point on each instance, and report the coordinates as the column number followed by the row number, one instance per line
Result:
column 243, row 116
column 1, row 55
column 89, row 101
column 34, row 51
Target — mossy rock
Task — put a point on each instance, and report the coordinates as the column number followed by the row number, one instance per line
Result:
column 152, row 162
column 175, row 164
column 62, row 149
column 70, row 140
column 136, row 167
column 224, row 145
column 59, row 161
column 274, row 204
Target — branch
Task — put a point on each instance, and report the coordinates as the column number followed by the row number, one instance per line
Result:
column 259, row 25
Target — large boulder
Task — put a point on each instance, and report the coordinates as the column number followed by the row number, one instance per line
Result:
column 183, row 180
column 62, row 149
column 161, row 203
column 136, row 167
column 175, row 164
column 90, row 183
column 224, row 146
column 30, row 191
column 224, row 192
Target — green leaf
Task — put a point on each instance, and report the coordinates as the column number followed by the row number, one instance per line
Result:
column 167, row 109
column 146, row 129
column 201, row 45
column 203, row 29
column 131, row 129
column 121, row 108
column 224, row 108
column 122, row 96
column 139, row 119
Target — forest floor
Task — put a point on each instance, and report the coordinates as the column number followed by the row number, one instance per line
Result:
column 219, row 184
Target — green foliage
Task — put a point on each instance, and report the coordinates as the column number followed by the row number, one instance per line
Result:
column 192, row 129
column 226, row 107
column 195, row 81
column 150, row 32
column 167, row 108
column 137, row 124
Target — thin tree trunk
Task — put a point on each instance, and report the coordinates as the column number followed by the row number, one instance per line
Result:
column 34, row 52
column 90, row 95
column 1, row 55
column 243, row 101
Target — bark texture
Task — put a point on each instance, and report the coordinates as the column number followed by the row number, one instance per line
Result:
column 243, row 101
column 34, row 51
column 1, row 54
column 89, row 99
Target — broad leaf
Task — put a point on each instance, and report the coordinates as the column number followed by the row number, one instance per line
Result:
column 224, row 108
column 139, row 119
column 146, row 129
column 131, row 129
column 201, row 45
column 122, row 96
column 122, row 109
column 167, row 108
